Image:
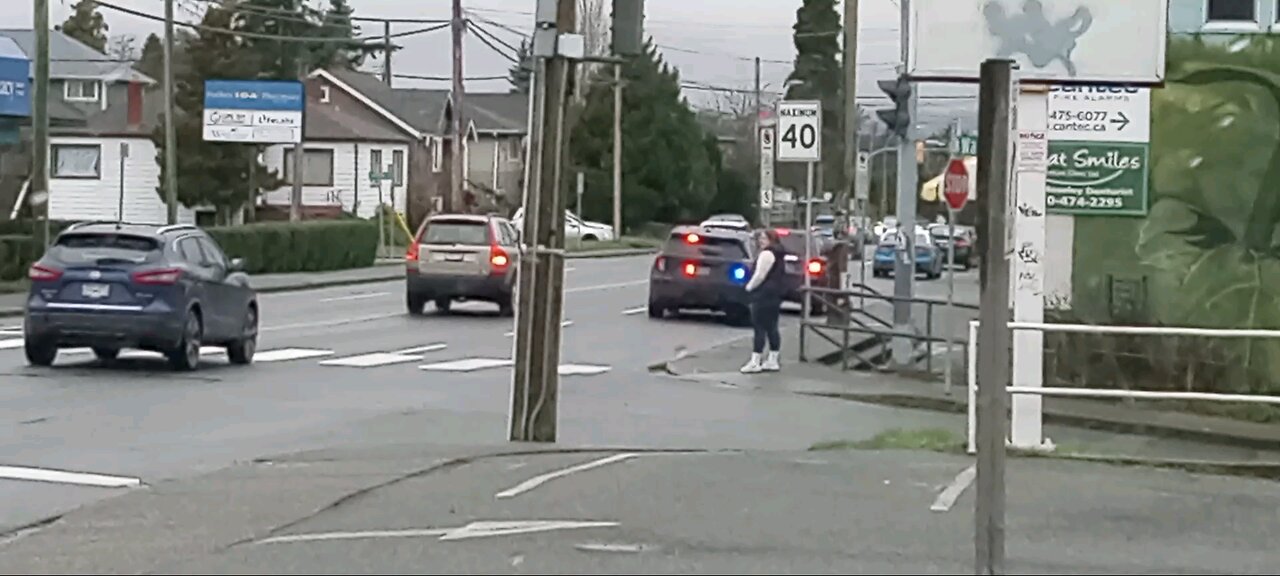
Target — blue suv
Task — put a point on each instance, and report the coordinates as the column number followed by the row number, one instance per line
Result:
column 167, row 289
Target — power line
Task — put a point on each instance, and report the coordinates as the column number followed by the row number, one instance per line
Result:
column 448, row 78
column 240, row 33
column 480, row 30
column 495, row 48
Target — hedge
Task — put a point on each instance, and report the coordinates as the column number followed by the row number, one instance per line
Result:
column 267, row 248
column 315, row 246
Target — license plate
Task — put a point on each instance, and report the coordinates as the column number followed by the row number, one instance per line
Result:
column 452, row 257
column 95, row 290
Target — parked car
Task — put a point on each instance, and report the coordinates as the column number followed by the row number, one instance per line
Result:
column 736, row 222
column 966, row 255
column 168, row 289
column 928, row 259
column 575, row 228
column 702, row 269
column 462, row 257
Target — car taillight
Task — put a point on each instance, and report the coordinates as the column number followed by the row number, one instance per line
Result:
column 961, row 242
column 693, row 238
column 40, row 273
column 413, row 252
column 161, row 277
column 690, row 269
column 498, row 258
column 815, row 267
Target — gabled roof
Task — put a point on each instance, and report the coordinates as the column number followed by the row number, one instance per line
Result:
column 417, row 112
column 497, row 112
column 71, row 59
column 329, row 123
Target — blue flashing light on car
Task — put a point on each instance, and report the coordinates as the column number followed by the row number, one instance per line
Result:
column 738, row 273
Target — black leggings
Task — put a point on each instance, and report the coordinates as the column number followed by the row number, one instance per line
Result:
column 764, row 318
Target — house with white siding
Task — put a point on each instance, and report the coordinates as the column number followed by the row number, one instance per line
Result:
column 103, row 113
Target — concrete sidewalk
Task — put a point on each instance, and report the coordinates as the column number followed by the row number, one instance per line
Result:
column 1080, row 420
column 477, row 511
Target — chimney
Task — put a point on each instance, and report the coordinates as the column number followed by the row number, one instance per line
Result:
column 135, row 104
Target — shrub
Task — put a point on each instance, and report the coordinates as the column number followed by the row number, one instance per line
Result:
column 276, row 247
column 16, row 255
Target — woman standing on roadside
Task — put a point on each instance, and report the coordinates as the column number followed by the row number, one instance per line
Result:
column 767, row 287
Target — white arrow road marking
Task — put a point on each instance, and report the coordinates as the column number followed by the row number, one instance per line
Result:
column 948, row 497
column 287, row 354
column 466, row 365
column 537, row 481
column 64, row 477
column 472, row 530
column 375, row 359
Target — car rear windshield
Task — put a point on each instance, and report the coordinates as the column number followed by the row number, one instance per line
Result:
column 456, row 232
column 706, row 247
column 794, row 243
column 104, row 248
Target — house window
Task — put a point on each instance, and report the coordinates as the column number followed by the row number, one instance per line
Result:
column 324, row 94
column 78, row 161
column 397, row 167
column 515, row 149
column 317, row 167
column 375, row 163
column 80, row 91
column 1231, row 11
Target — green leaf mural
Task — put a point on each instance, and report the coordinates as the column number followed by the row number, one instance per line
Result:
column 1213, row 234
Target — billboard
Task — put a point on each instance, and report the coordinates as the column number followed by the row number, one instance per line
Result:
column 15, row 86
column 253, row 111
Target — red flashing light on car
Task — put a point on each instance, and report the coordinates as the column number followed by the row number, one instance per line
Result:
column 693, row 238
column 815, row 267
column 690, row 269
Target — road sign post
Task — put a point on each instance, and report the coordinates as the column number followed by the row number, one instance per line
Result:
column 800, row 140
column 766, row 173
column 955, row 188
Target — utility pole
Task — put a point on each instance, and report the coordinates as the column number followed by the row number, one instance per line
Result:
column 170, row 130
column 459, row 132
column 39, row 196
column 843, row 251
column 617, row 152
column 536, row 383
column 755, row 143
column 299, row 166
column 386, row 51
column 995, row 126
column 905, row 270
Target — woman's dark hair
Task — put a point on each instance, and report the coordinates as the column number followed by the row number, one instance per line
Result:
column 772, row 235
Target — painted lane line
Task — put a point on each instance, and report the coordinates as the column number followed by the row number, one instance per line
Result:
column 537, row 481
column 328, row 323
column 484, row 529
column 423, row 349
column 606, row 286
column 467, row 365
column 65, row 477
column 365, row 535
column 952, row 492
column 582, row 370
column 10, row 344
column 634, row 311
column 356, row 297
column 565, row 324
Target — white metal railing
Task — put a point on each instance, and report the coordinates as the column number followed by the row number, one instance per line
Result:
column 1108, row 392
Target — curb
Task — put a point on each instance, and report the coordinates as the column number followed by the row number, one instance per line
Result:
column 1268, row 470
column 1073, row 420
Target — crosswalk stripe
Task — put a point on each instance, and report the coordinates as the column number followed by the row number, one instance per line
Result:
column 582, row 370
column 466, row 365
column 10, row 344
column 287, row 354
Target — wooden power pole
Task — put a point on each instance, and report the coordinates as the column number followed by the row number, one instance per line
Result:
column 458, row 169
column 849, row 121
column 170, row 130
column 39, row 193
column 536, row 384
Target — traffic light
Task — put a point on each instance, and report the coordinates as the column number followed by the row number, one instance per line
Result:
column 628, row 27
column 898, row 118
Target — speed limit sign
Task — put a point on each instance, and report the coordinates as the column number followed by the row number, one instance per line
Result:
column 799, row 131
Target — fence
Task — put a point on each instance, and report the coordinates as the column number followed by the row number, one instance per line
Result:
column 1108, row 392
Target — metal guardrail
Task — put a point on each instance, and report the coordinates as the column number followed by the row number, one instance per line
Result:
column 863, row 321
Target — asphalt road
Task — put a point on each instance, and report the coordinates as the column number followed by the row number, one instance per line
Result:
column 137, row 420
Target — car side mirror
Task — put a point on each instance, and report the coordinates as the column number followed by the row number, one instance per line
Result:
column 237, row 265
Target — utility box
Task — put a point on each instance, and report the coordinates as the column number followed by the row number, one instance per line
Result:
column 628, row 27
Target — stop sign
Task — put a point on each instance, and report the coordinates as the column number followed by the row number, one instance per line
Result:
column 955, row 184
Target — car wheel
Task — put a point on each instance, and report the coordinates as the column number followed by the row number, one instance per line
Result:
column 40, row 353
column 589, row 238
column 106, row 353
column 506, row 306
column 186, row 356
column 242, row 350
column 415, row 303
column 443, row 305
column 656, row 311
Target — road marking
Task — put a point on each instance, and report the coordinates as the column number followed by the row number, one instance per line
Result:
column 11, row 332
column 582, row 369
column 466, row 365
column 147, row 354
column 328, row 323
column 287, row 354
column 570, row 269
column 473, row 530
column 10, row 344
column 423, row 349
column 372, row 360
column 64, row 477
column 565, row 324
column 606, row 286
column 948, row 497
column 537, row 481
column 356, row 297
column 634, row 311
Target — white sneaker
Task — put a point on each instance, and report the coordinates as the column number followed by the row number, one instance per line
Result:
column 771, row 363
column 752, row 366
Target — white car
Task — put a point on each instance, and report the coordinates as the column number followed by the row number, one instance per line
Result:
column 727, row 221
column 575, row 228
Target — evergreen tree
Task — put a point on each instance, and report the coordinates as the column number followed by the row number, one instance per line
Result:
column 345, row 51
column 151, row 62
column 281, row 59
column 211, row 173
column 86, row 25
column 521, row 73
column 818, row 76
column 668, row 174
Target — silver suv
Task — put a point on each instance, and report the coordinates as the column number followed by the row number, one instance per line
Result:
column 462, row 257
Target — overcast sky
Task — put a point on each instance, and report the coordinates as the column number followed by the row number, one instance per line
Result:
column 712, row 42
